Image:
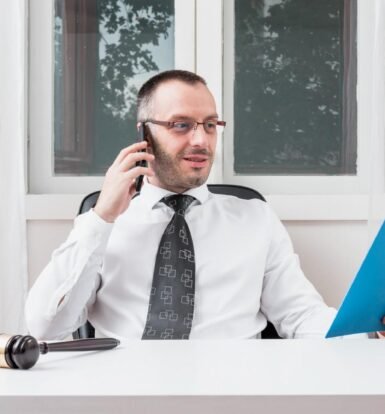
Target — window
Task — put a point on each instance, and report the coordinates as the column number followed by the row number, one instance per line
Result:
column 284, row 71
column 290, row 96
column 104, row 50
column 294, row 87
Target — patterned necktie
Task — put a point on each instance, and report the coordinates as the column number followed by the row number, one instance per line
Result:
column 171, row 307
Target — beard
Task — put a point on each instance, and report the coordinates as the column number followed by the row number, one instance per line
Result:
column 169, row 173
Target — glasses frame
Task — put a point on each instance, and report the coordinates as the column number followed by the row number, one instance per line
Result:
column 170, row 124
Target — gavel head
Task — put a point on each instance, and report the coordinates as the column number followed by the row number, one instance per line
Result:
column 18, row 351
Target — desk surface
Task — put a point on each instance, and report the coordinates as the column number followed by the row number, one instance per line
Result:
column 205, row 376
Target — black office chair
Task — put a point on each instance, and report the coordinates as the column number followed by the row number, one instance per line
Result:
column 246, row 193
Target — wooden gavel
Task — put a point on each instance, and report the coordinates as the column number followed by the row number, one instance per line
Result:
column 23, row 351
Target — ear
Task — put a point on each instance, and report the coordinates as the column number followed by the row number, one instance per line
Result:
column 148, row 135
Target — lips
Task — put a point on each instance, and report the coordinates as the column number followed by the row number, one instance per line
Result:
column 196, row 158
column 196, row 161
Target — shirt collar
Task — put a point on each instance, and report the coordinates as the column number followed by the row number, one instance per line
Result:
column 150, row 195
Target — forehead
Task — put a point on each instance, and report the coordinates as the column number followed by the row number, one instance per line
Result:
column 176, row 97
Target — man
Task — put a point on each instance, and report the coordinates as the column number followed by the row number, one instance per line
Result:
column 243, row 272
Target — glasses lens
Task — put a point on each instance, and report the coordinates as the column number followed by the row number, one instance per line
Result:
column 210, row 126
column 182, row 127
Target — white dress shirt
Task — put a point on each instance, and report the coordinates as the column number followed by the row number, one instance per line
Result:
column 246, row 272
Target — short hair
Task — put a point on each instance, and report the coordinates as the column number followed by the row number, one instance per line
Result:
column 147, row 90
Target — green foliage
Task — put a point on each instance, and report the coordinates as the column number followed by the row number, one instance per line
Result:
column 129, row 29
column 134, row 26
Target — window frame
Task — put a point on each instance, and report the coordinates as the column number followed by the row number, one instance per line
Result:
column 279, row 183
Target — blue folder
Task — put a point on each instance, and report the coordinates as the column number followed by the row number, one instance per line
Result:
column 364, row 305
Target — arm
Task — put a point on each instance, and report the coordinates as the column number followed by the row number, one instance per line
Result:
column 289, row 300
column 57, row 303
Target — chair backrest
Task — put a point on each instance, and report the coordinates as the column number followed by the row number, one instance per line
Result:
column 88, row 202
column 239, row 191
column 246, row 193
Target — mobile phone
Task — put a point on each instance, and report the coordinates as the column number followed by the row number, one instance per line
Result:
column 141, row 137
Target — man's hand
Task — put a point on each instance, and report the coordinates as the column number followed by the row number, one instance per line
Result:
column 119, row 182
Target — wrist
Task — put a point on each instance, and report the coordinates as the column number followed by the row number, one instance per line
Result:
column 108, row 218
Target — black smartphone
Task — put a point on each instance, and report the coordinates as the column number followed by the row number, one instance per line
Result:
column 141, row 137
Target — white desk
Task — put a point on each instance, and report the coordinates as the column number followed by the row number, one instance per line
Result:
column 292, row 376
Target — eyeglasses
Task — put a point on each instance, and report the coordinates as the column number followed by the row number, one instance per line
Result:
column 184, row 127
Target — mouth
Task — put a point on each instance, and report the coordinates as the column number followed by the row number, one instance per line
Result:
column 196, row 161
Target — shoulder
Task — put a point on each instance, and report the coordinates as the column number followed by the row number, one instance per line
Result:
column 240, row 206
column 254, row 210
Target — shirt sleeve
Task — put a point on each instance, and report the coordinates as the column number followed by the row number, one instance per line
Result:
column 57, row 303
column 289, row 300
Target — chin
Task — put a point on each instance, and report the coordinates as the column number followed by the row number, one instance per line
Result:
column 196, row 181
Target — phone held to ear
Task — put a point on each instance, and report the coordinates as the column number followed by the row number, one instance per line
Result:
column 143, row 163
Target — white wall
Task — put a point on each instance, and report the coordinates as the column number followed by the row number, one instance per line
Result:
column 330, row 254
column 330, row 251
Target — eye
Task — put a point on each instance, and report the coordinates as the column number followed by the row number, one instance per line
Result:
column 181, row 126
column 211, row 125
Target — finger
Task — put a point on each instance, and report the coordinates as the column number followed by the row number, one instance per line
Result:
column 132, row 158
column 135, row 172
column 132, row 189
column 138, row 146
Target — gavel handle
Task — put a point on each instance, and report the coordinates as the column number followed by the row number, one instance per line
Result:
column 97, row 344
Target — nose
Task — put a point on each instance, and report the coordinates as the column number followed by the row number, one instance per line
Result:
column 199, row 137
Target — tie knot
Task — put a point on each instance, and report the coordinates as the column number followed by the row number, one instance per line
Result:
column 178, row 202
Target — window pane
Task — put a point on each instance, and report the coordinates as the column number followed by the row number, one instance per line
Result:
column 104, row 51
column 295, row 87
